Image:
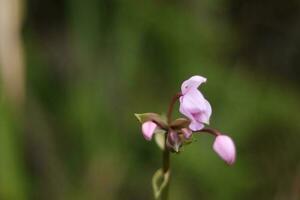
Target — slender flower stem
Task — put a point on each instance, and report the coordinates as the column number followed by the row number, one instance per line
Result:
column 166, row 152
column 211, row 131
column 171, row 106
column 166, row 157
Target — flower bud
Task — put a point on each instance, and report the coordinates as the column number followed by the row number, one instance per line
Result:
column 187, row 133
column 148, row 129
column 173, row 141
column 225, row 148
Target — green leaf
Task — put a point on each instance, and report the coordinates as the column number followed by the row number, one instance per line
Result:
column 180, row 123
column 143, row 117
column 160, row 120
column 159, row 182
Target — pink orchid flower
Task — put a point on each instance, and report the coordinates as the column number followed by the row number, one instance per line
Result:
column 225, row 148
column 193, row 104
column 148, row 129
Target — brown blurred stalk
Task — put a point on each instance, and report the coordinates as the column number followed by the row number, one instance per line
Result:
column 12, row 179
column 11, row 51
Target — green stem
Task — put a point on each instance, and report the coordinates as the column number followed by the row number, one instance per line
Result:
column 166, row 152
column 166, row 168
column 166, row 157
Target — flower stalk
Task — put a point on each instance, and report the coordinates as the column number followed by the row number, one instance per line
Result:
column 166, row 152
column 211, row 131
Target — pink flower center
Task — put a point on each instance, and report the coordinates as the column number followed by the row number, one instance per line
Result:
column 197, row 116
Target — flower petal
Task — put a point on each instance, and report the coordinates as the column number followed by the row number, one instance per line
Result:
column 148, row 129
column 196, row 126
column 194, row 106
column 206, row 115
column 192, row 83
column 193, row 100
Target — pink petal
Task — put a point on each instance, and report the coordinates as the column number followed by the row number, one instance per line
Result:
column 196, row 126
column 225, row 148
column 148, row 129
column 186, row 112
column 207, row 113
column 193, row 99
column 192, row 83
column 194, row 106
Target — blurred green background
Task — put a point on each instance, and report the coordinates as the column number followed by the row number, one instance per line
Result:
column 89, row 65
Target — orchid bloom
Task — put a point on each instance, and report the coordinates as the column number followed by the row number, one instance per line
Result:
column 193, row 104
column 225, row 148
column 172, row 135
column 148, row 129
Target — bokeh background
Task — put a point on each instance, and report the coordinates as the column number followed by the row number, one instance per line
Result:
column 73, row 72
